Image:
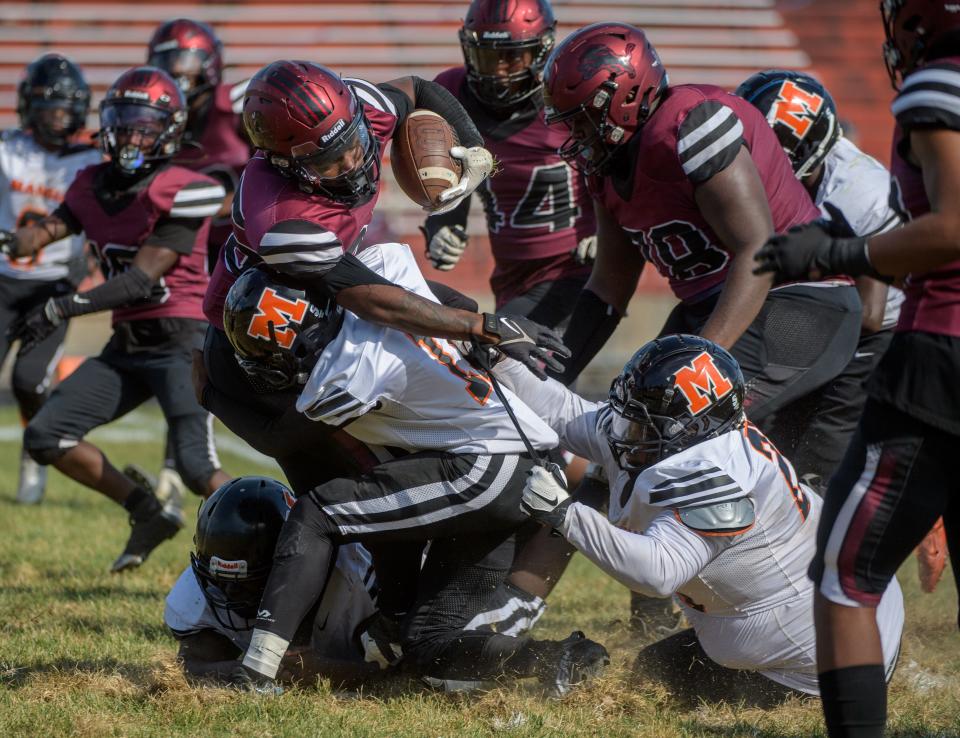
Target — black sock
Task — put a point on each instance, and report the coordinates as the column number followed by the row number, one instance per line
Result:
column 854, row 701
column 141, row 504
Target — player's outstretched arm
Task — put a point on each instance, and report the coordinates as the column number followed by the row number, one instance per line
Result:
column 28, row 240
column 734, row 203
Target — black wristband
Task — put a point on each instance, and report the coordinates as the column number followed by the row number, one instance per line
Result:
column 849, row 256
column 591, row 325
column 124, row 289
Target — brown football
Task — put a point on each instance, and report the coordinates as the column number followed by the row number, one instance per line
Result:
column 421, row 157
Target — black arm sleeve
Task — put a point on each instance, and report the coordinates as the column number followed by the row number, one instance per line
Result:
column 124, row 289
column 591, row 325
column 64, row 213
column 176, row 234
column 431, row 96
column 349, row 272
column 456, row 217
column 453, row 298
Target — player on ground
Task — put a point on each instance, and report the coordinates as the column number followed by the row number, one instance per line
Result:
column 854, row 190
column 212, row 607
column 455, row 479
column 898, row 475
column 305, row 202
column 692, row 179
column 148, row 222
column 539, row 217
column 701, row 504
column 37, row 164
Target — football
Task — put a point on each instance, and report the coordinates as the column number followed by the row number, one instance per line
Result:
column 421, row 157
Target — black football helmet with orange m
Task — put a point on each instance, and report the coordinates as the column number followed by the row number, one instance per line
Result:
column 675, row 392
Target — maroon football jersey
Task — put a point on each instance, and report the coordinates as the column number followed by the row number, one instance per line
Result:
column 293, row 232
column 696, row 132
column 928, row 98
column 117, row 235
column 221, row 151
column 537, row 206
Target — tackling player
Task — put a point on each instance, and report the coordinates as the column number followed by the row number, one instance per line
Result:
column 452, row 474
column 148, row 222
column 306, row 199
column 37, row 164
column 854, row 190
column 539, row 217
column 701, row 504
column 212, row 607
column 898, row 475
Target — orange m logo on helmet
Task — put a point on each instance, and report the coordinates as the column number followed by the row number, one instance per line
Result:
column 280, row 312
column 796, row 108
column 702, row 383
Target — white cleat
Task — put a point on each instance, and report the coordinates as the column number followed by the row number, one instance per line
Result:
column 33, row 481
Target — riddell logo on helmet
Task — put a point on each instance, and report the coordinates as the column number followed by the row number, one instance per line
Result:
column 795, row 108
column 496, row 35
column 274, row 314
column 701, row 383
column 228, row 568
column 138, row 94
column 333, row 131
column 599, row 56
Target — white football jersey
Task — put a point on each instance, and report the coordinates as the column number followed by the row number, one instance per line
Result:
column 389, row 388
column 33, row 182
column 859, row 187
column 346, row 603
column 744, row 587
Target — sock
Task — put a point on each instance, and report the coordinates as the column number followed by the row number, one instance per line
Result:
column 854, row 701
column 141, row 504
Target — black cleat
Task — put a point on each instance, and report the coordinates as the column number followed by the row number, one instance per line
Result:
column 577, row 660
column 146, row 535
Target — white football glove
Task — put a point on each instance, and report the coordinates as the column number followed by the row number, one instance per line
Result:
column 545, row 496
column 446, row 247
column 477, row 165
column 586, row 251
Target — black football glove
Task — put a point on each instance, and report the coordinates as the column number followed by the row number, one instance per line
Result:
column 812, row 252
column 529, row 343
column 37, row 325
column 8, row 244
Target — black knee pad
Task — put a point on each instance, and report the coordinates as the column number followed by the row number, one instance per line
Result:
column 28, row 398
column 190, row 447
column 41, row 444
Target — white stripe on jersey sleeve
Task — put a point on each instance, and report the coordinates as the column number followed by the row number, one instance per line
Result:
column 193, row 194
column 940, row 76
column 198, row 202
column 927, row 99
column 704, row 129
column 303, row 257
column 371, row 95
column 713, row 149
column 273, row 239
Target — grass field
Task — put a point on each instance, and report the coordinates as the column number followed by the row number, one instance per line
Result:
column 85, row 653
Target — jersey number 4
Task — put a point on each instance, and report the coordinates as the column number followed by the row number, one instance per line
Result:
column 547, row 203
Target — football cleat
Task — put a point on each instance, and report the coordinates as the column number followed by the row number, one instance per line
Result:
column 655, row 618
column 33, row 481
column 246, row 679
column 146, row 535
column 576, row 661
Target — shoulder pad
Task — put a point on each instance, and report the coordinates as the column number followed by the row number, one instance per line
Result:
column 371, row 95
column 720, row 519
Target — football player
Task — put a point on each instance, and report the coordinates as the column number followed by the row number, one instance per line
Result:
column 897, row 476
column 213, row 604
column 692, row 179
column 38, row 162
column 214, row 141
column 853, row 189
column 702, row 505
column 455, row 475
column 540, row 220
column 306, row 199
column 148, row 221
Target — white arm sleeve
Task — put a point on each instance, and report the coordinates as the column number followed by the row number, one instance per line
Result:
column 656, row 562
column 572, row 417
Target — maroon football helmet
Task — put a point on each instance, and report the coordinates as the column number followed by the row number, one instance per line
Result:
column 142, row 118
column 311, row 126
column 602, row 83
column 190, row 52
column 505, row 45
column 915, row 28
